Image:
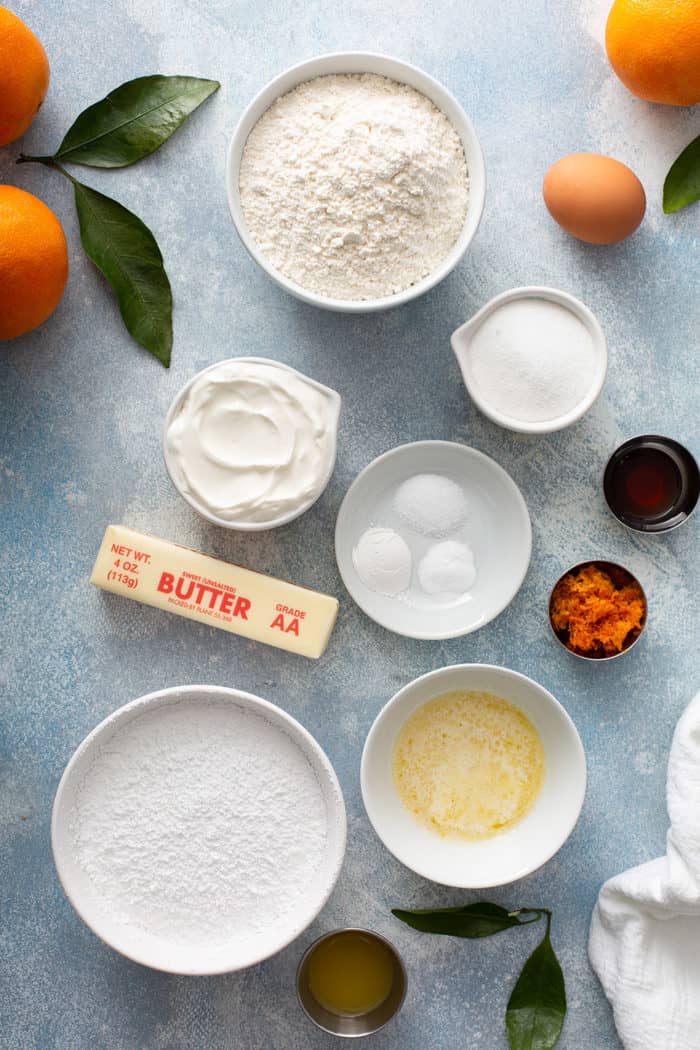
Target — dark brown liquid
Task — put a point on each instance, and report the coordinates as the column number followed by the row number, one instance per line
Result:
column 652, row 483
column 645, row 483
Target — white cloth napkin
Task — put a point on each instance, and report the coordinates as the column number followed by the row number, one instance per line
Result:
column 645, row 932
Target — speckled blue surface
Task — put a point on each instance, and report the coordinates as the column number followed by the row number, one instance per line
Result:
column 81, row 412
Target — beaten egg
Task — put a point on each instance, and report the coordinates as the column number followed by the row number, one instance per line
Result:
column 468, row 765
column 594, row 198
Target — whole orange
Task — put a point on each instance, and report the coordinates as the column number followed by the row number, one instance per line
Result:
column 33, row 262
column 24, row 76
column 654, row 47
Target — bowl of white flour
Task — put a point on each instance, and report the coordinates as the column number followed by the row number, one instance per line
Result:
column 198, row 830
column 356, row 181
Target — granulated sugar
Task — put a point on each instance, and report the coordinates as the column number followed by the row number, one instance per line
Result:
column 354, row 186
column 431, row 504
column 532, row 360
column 200, row 823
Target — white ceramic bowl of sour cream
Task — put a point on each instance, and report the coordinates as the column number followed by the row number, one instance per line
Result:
column 218, row 439
column 394, row 69
column 129, row 891
column 506, row 857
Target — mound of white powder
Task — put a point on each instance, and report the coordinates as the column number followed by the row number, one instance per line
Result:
column 354, row 186
column 432, row 504
column 200, row 823
column 447, row 569
column 382, row 560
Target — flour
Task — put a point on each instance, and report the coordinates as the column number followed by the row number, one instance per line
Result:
column 200, row 823
column 354, row 186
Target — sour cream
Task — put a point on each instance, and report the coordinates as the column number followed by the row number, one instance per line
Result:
column 252, row 442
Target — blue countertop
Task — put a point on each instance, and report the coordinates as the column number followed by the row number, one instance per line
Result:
column 81, row 415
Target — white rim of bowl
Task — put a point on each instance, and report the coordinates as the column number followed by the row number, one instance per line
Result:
column 266, row 707
column 250, row 526
column 438, row 672
column 422, row 635
column 308, row 70
column 555, row 295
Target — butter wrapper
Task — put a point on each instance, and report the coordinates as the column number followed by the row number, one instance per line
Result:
column 191, row 584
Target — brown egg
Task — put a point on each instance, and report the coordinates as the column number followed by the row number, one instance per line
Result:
column 594, row 198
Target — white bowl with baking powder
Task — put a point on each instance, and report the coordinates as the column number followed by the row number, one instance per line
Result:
column 394, row 69
column 198, row 830
column 463, row 343
column 516, row 852
column 496, row 528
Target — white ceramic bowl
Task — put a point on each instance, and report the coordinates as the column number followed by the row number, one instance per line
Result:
column 360, row 62
column 461, row 339
column 506, row 857
column 248, row 526
column 497, row 530
column 149, row 948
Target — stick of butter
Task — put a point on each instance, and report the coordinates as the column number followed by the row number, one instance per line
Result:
column 185, row 582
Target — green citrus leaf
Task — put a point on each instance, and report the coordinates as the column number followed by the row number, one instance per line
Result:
column 682, row 184
column 133, row 120
column 537, row 1006
column 126, row 252
column 481, row 919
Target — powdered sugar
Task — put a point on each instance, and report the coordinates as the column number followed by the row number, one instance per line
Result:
column 354, row 186
column 201, row 823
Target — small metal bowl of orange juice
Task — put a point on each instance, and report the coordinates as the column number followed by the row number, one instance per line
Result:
column 351, row 982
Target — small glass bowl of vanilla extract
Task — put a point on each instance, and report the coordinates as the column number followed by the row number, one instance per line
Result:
column 651, row 484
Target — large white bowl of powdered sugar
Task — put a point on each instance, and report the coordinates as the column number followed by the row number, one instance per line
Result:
column 198, row 830
column 356, row 181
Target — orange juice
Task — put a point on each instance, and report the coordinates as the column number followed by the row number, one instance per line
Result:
column 351, row 973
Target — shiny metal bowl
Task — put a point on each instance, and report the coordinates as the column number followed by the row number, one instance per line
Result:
column 355, row 1025
column 619, row 574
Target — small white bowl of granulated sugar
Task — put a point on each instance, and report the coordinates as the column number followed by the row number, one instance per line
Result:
column 355, row 181
column 533, row 359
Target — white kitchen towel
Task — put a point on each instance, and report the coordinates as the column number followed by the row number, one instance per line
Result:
column 645, row 932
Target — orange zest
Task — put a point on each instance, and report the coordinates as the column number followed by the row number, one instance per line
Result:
column 597, row 617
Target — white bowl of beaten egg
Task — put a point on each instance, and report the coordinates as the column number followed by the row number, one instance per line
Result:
column 473, row 776
column 361, row 200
